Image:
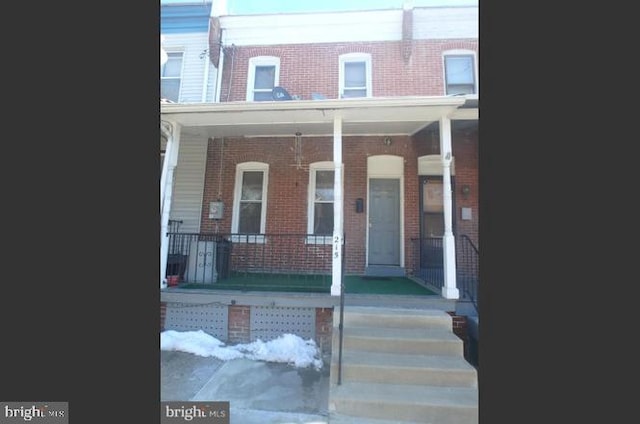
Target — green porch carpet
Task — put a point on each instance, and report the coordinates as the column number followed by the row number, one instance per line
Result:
column 315, row 284
column 384, row 285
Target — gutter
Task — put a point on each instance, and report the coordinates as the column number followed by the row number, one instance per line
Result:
column 327, row 104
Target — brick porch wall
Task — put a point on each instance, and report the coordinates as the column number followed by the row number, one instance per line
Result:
column 239, row 324
column 460, row 329
column 163, row 314
column 324, row 328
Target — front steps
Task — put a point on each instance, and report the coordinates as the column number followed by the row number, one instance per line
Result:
column 402, row 366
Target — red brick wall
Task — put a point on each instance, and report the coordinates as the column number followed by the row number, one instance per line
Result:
column 163, row 314
column 324, row 328
column 239, row 321
column 240, row 326
column 465, row 151
column 287, row 186
column 421, row 75
column 459, row 325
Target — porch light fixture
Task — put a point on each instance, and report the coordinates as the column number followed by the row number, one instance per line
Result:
column 465, row 191
column 387, row 141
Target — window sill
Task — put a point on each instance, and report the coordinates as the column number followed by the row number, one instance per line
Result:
column 319, row 239
column 248, row 238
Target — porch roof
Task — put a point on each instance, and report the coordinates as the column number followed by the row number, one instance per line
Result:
column 360, row 116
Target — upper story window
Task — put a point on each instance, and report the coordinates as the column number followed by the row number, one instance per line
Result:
column 263, row 75
column 250, row 200
column 170, row 77
column 460, row 72
column 320, row 203
column 355, row 75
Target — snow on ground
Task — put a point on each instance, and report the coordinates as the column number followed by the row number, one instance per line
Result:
column 287, row 348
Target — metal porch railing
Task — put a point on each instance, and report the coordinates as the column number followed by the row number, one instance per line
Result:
column 468, row 276
column 291, row 259
column 428, row 260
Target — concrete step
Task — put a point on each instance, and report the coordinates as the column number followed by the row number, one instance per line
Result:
column 430, row 370
column 399, row 340
column 366, row 316
column 400, row 301
column 405, row 403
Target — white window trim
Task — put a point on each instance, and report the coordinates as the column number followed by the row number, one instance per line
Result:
column 458, row 52
column 169, row 53
column 251, row 73
column 235, row 217
column 355, row 57
column 313, row 168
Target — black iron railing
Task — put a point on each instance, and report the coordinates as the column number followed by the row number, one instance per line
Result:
column 289, row 259
column 341, row 323
column 428, row 260
column 467, row 275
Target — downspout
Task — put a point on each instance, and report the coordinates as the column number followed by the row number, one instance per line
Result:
column 171, row 160
column 205, row 83
column 338, row 228
column 220, row 67
column 449, row 290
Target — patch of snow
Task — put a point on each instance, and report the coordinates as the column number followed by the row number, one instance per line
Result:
column 288, row 348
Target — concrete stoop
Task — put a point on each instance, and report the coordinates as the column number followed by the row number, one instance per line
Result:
column 402, row 366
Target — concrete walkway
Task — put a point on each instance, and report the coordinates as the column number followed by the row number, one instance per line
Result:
column 258, row 392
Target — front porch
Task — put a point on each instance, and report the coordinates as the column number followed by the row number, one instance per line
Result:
column 242, row 287
column 278, row 263
column 302, row 263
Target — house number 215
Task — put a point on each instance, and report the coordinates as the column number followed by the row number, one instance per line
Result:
column 336, row 246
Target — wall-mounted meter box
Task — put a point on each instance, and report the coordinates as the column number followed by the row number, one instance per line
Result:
column 216, row 209
column 466, row 214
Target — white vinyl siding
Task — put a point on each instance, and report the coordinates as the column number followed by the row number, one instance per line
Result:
column 446, row 23
column 355, row 26
column 188, row 187
column 193, row 45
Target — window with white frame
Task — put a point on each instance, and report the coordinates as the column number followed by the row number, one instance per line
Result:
column 355, row 75
column 460, row 73
column 263, row 75
column 250, row 199
column 170, row 77
column 321, row 197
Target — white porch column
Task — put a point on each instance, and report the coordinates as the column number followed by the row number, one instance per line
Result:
column 338, row 202
column 449, row 290
column 166, row 193
column 166, row 129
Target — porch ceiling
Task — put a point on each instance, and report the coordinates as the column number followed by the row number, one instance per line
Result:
column 392, row 116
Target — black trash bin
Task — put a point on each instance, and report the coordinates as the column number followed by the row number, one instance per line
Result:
column 223, row 258
column 176, row 265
